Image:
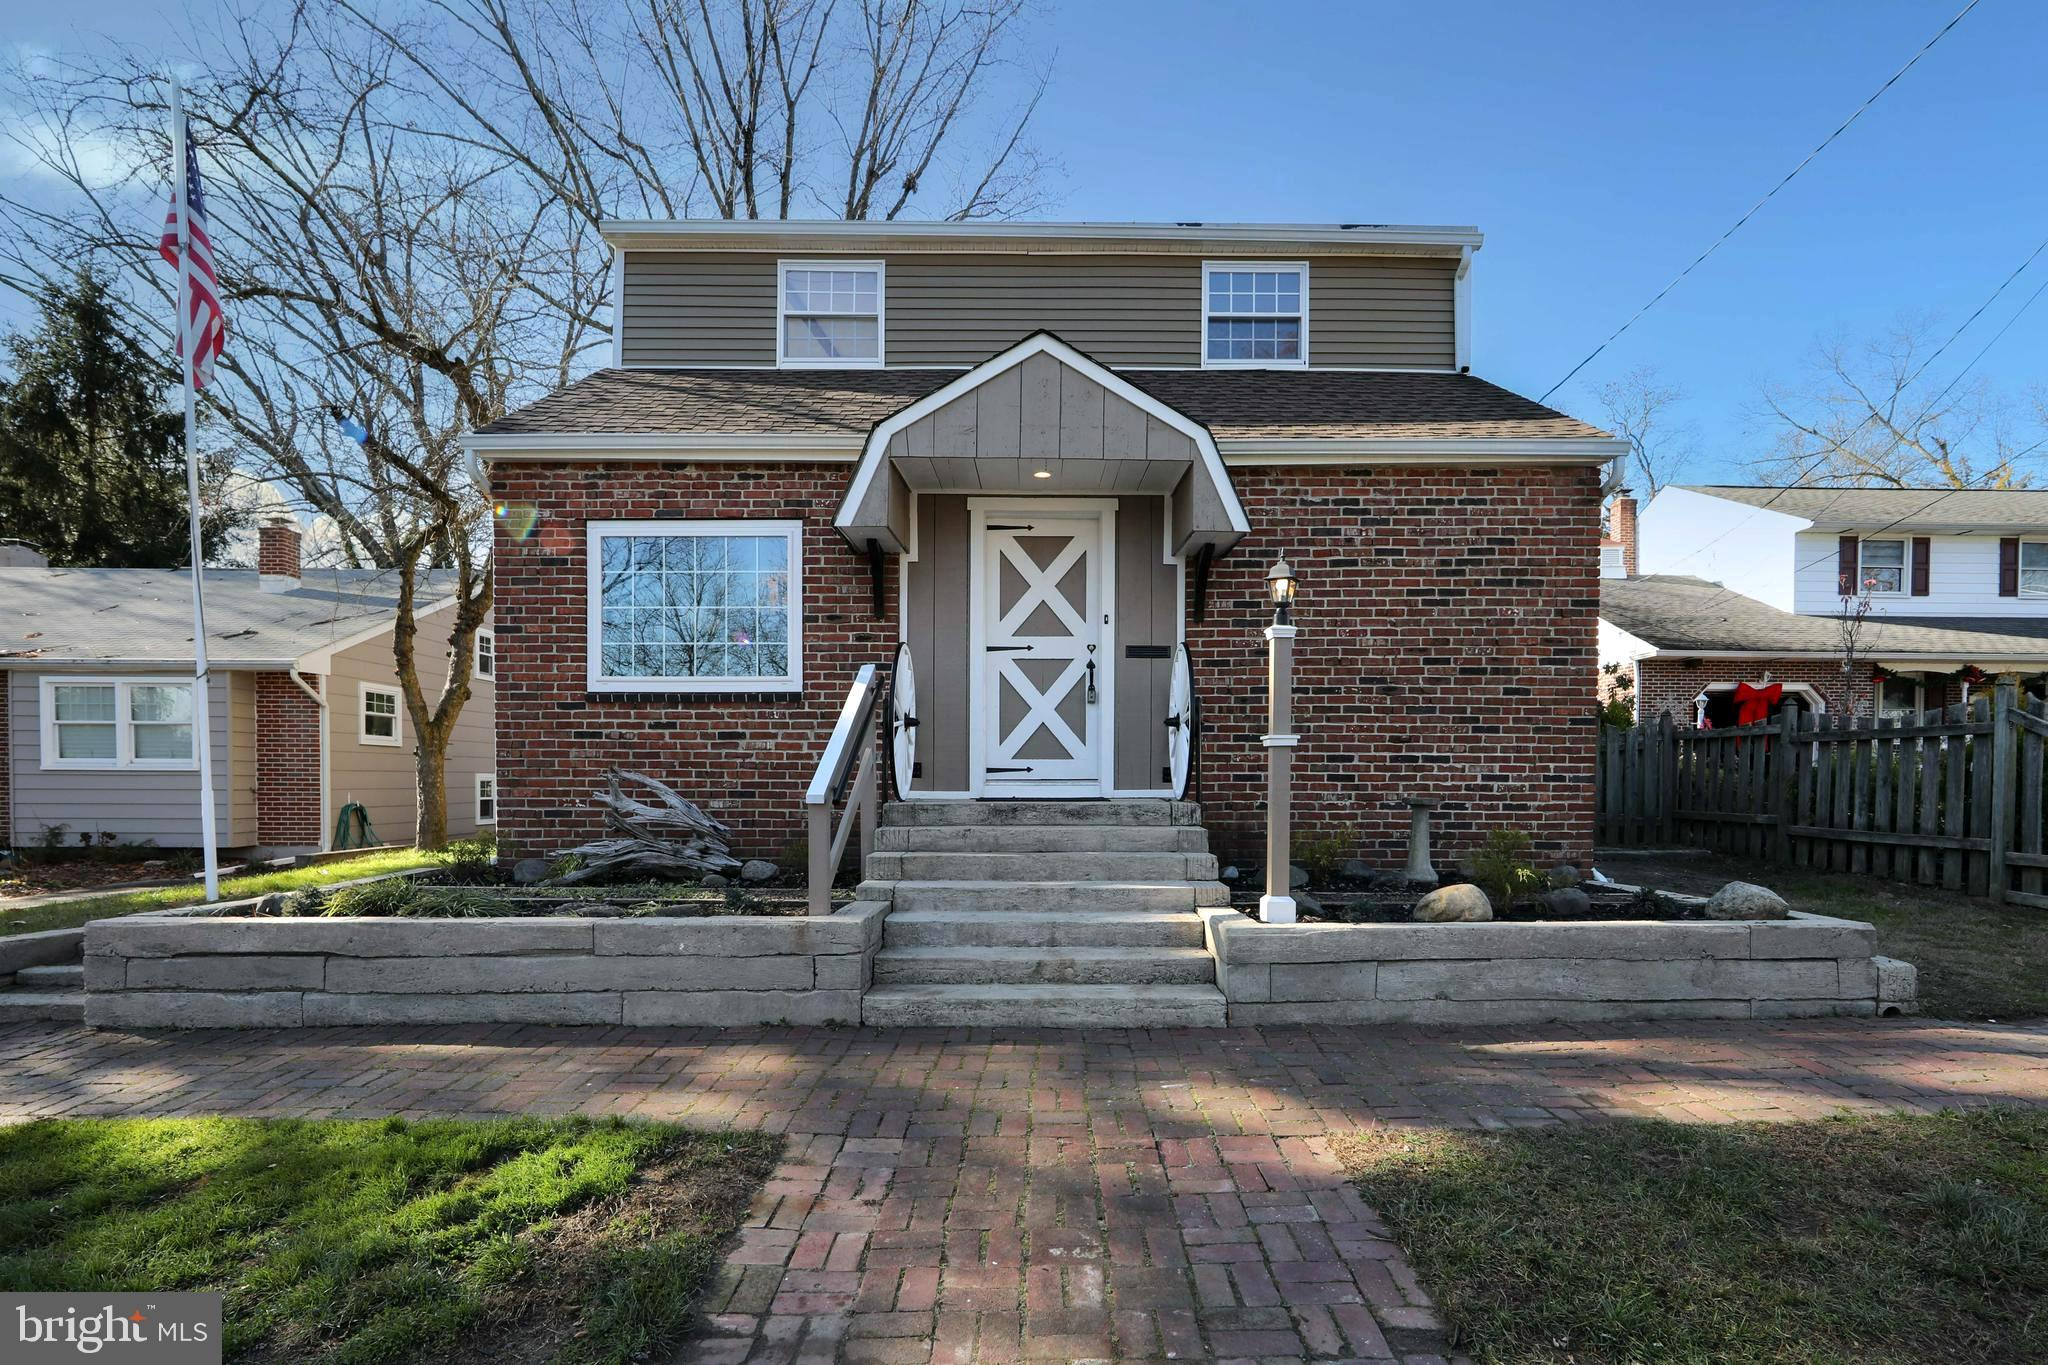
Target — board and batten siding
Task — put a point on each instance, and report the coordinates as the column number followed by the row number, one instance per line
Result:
column 241, row 772
column 381, row 776
column 937, row 588
column 941, row 308
column 132, row 805
column 1962, row 579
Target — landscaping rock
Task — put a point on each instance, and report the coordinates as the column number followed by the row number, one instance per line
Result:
column 272, row 904
column 1565, row 874
column 1356, row 870
column 1446, row 904
column 1229, row 874
column 1566, row 902
column 528, row 871
column 758, row 870
column 1297, row 875
column 1746, row 900
column 712, row 881
column 1303, row 901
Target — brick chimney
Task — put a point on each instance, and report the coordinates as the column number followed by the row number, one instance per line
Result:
column 277, row 552
column 1621, row 524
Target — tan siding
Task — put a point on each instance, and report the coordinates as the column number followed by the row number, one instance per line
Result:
column 380, row 777
column 1381, row 311
column 718, row 308
column 133, row 805
column 1147, row 613
column 241, row 771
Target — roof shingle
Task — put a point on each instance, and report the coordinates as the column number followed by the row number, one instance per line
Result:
column 1949, row 510
column 1678, row 612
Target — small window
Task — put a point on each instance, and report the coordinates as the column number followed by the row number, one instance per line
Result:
column 486, row 798
column 1900, row 698
column 1254, row 315
column 2034, row 568
column 379, row 715
column 696, row 606
column 486, row 655
column 1882, row 566
column 830, row 314
column 117, row 723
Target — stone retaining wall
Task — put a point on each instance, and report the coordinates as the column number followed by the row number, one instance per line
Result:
column 1510, row 973
column 241, row 971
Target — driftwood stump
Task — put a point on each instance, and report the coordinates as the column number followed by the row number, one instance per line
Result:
column 665, row 838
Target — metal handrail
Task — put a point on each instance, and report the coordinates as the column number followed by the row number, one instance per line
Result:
column 846, row 773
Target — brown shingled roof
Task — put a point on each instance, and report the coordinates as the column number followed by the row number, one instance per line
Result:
column 1235, row 405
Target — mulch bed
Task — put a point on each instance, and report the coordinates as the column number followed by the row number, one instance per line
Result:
column 1398, row 908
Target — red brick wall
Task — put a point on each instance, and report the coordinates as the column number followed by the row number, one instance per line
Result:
column 287, row 763
column 277, row 549
column 1447, row 646
column 1448, row 625
column 745, row 759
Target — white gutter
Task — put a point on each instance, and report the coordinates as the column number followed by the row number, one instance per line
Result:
column 1874, row 656
column 791, row 446
column 74, row 663
column 326, row 765
column 834, row 447
column 1078, row 237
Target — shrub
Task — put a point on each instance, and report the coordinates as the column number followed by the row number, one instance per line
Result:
column 471, row 859
column 1320, row 856
column 1502, row 868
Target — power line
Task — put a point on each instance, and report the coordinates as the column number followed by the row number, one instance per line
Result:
column 1768, row 196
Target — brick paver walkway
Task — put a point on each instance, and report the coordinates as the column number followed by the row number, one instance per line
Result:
column 976, row 1197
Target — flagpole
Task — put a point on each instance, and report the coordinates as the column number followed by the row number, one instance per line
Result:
column 202, row 712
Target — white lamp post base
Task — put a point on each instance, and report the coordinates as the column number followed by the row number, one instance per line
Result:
column 1276, row 909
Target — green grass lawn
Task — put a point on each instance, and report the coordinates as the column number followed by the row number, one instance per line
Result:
column 71, row 914
column 517, row 1240
column 1851, row 1240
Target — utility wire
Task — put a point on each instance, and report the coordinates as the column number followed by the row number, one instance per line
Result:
column 1768, row 196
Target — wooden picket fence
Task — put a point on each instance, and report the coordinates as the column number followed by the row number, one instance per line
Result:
column 1954, row 801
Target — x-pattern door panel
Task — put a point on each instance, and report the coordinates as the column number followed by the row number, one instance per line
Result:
column 1042, row 586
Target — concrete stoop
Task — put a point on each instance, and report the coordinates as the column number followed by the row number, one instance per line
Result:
column 1055, row 914
column 42, row 977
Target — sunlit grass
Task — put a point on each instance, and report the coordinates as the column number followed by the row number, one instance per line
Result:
column 71, row 914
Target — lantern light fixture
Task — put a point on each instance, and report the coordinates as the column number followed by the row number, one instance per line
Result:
column 1282, row 583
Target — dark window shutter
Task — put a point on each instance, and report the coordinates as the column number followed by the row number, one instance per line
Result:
column 1921, row 546
column 1846, row 567
column 2009, row 566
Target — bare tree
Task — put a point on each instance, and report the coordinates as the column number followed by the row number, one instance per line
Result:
column 1849, row 623
column 1870, row 416
column 1639, row 409
column 405, row 211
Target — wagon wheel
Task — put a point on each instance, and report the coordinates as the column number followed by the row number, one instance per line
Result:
column 903, row 722
column 1183, row 716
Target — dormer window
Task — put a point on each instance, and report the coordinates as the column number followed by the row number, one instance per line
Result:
column 830, row 314
column 1882, row 566
column 1254, row 315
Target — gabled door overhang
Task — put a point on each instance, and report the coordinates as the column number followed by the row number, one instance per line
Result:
column 1043, row 418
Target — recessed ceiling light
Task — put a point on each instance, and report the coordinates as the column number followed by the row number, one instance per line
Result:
column 1041, row 473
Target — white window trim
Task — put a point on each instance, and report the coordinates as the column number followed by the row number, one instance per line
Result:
column 1806, row 692
column 124, row 728
column 782, row 358
column 2020, row 570
column 364, row 691
column 476, row 661
column 595, row 678
column 1904, row 566
column 1202, row 336
column 481, row 818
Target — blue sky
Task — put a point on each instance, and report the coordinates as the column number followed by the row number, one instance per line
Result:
column 1600, row 147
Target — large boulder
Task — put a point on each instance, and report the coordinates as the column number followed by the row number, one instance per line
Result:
column 528, row 871
column 758, row 870
column 1566, row 902
column 1746, row 900
column 1462, row 901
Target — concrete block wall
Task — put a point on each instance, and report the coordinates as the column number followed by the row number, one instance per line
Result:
column 1503, row 973
column 242, row 971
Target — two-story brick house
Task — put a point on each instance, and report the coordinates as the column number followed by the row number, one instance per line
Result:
column 1053, row 463
column 1951, row 587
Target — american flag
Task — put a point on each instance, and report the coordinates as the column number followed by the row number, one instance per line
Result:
column 204, row 334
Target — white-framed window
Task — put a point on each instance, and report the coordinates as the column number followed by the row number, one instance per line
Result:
column 2034, row 568
column 696, row 606
column 1612, row 565
column 828, row 314
column 1254, row 314
column 486, row 664
column 1903, row 698
column 487, row 798
column 117, row 723
column 377, row 715
column 1881, row 566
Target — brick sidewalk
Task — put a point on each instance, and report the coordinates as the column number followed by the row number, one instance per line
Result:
column 971, row 1196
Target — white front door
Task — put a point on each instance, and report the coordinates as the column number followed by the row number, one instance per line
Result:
column 1041, row 701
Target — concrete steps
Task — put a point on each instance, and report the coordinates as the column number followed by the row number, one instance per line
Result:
column 42, row 976
column 20, row 1006
column 70, row 976
column 1063, row 1006
column 1059, row 914
column 1046, row 965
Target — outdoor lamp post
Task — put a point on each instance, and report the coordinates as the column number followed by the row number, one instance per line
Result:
column 1277, row 905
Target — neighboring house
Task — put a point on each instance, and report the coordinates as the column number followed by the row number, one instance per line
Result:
column 1956, row 583
column 96, row 691
column 1042, row 456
